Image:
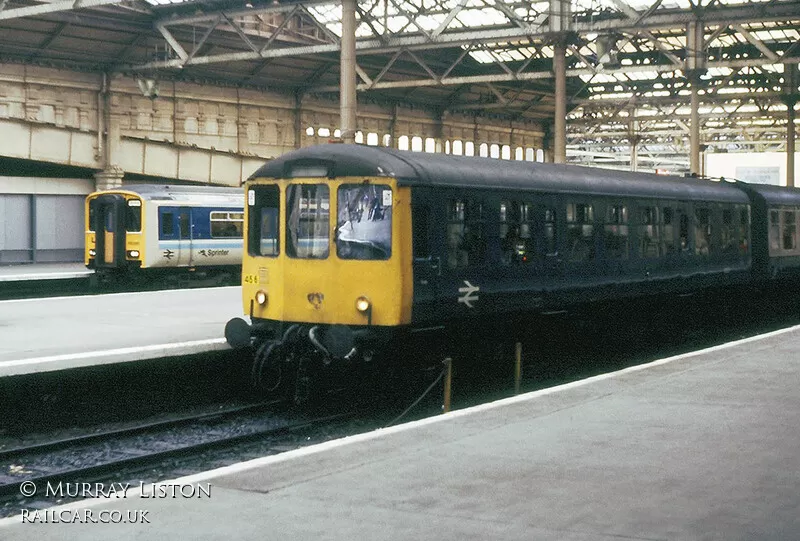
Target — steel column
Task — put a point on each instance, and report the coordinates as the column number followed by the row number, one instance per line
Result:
column 560, row 121
column 347, row 81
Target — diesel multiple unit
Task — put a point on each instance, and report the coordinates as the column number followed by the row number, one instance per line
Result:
column 140, row 231
column 350, row 250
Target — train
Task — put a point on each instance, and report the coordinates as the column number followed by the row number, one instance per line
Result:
column 146, row 232
column 353, row 252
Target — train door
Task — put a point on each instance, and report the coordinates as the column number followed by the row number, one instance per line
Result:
column 427, row 250
column 109, row 226
column 174, row 236
column 185, row 258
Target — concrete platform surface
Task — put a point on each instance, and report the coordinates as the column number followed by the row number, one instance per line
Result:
column 67, row 332
column 43, row 271
column 697, row 447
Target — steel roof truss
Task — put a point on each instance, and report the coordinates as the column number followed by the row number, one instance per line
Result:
column 758, row 44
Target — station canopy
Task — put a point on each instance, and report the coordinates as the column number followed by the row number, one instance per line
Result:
column 630, row 63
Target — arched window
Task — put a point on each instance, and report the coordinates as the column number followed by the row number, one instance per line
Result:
column 458, row 148
column 469, row 148
column 402, row 142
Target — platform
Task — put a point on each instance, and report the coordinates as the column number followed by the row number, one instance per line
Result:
column 38, row 335
column 695, row 447
column 43, row 271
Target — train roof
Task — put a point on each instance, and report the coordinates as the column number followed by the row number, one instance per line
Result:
column 180, row 193
column 775, row 195
column 424, row 169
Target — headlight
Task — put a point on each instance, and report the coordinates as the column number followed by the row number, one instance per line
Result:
column 261, row 297
column 92, row 252
column 133, row 253
column 362, row 304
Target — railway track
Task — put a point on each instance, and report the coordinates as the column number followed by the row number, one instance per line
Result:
column 98, row 457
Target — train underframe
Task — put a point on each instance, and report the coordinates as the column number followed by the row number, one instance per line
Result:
column 301, row 361
column 134, row 276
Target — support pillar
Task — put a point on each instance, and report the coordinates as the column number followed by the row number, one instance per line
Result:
column 347, row 82
column 633, row 140
column 298, row 120
column 790, row 137
column 694, row 132
column 109, row 178
column 439, row 134
column 393, row 128
column 695, row 67
column 792, row 80
column 560, row 120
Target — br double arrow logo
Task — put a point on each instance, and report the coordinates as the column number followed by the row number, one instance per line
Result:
column 468, row 294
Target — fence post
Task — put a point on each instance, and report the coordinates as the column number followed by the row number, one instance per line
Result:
column 448, row 380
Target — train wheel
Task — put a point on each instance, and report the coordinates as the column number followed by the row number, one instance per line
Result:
column 268, row 373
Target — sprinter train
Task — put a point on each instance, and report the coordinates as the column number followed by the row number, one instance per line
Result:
column 351, row 251
column 141, row 232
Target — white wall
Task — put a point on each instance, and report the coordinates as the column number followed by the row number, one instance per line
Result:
column 752, row 167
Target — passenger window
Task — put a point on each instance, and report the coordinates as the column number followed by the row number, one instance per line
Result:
column 549, row 231
column 456, row 255
column 668, row 233
column 744, row 228
column 167, row 224
column 683, row 230
column 649, row 239
column 789, row 231
column 616, row 232
column 728, row 232
column 515, row 232
column 774, row 230
column 474, row 241
column 702, row 231
column 226, row 224
column 580, row 232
